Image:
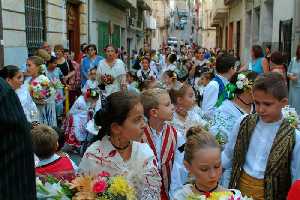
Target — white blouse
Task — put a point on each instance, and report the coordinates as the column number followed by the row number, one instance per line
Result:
column 259, row 149
column 117, row 71
column 140, row 170
column 29, row 107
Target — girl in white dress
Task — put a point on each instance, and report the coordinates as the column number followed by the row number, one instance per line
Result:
column 239, row 103
column 122, row 123
column 78, row 117
column 111, row 72
column 184, row 118
column 92, row 82
column 14, row 77
column 202, row 158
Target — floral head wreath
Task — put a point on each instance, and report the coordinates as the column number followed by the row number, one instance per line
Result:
column 242, row 83
column 91, row 93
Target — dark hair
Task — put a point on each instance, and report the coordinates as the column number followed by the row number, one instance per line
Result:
column 250, row 75
column 44, row 140
column 52, row 60
column 61, row 137
column 145, row 58
column 272, row 83
column 277, row 58
column 115, row 110
column 92, row 46
column 112, row 46
column 258, row 51
column 66, row 51
column 171, row 74
column 209, row 75
column 224, row 63
column 198, row 50
column 59, row 47
column 172, row 58
column 9, row 71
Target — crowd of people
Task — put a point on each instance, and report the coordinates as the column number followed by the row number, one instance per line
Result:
column 176, row 122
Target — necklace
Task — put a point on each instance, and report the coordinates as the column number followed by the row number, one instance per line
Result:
column 206, row 193
column 247, row 104
column 120, row 148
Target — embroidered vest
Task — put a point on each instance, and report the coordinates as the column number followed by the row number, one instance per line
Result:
column 169, row 143
column 277, row 178
column 61, row 169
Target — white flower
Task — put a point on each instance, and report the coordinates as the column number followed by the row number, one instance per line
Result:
column 241, row 77
column 239, row 84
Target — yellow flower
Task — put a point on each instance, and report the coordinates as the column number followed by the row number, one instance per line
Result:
column 119, row 185
column 219, row 195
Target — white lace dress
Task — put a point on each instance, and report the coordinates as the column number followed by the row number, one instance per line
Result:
column 140, row 170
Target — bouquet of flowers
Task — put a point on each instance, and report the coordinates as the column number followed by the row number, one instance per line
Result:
column 291, row 115
column 52, row 189
column 100, row 187
column 41, row 89
column 227, row 195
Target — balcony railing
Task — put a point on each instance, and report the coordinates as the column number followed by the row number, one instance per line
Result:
column 219, row 12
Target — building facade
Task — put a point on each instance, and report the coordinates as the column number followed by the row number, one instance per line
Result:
column 28, row 23
column 243, row 23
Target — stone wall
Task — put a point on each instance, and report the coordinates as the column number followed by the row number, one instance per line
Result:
column 14, row 36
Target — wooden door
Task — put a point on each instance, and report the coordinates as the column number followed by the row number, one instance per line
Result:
column 73, row 28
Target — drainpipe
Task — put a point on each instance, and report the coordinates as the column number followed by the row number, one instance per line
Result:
column 89, row 20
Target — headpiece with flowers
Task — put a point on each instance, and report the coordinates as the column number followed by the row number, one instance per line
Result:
column 242, row 83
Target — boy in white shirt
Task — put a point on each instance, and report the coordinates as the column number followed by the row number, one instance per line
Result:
column 214, row 93
column 264, row 148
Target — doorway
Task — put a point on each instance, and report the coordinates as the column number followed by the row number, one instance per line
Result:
column 73, row 28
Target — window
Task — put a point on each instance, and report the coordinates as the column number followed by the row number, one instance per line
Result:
column 35, row 24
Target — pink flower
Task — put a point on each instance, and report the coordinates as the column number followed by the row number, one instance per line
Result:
column 104, row 174
column 34, row 83
column 99, row 186
column 44, row 92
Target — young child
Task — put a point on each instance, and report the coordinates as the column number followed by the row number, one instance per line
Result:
column 184, row 118
column 117, row 152
column 214, row 92
column 202, row 82
column 202, row 159
column 92, row 82
column 45, row 145
column 263, row 149
column 132, row 82
column 55, row 75
column 79, row 115
column 170, row 80
column 146, row 73
column 159, row 134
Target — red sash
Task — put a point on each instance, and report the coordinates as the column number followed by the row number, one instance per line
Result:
column 61, row 168
column 169, row 143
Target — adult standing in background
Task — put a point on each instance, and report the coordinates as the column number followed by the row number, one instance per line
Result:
column 294, row 77
column 111, row 72
column 259, row 63
column 90, row 61
column 17, row 175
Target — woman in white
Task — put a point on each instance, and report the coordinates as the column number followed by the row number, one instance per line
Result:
column 111, row 72
column 116, row 152
column 294, row 77
column 239, row 103
column 14, row 78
